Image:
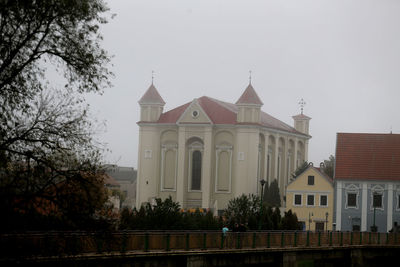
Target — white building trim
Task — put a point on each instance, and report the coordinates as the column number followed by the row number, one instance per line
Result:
column 364, row 206
column 339, row 187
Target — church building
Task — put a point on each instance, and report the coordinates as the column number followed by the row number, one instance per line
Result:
column 207, row 152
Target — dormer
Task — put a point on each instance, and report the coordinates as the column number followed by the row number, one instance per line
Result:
column 249, row 106
column 151, row 105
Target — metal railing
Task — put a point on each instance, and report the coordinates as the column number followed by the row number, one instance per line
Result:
column 78, row 243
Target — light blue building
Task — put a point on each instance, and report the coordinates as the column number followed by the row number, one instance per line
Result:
column 367, row 181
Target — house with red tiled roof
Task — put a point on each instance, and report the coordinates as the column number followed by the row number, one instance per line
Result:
column 207, row 151
column 367, row 181
column 310, row 196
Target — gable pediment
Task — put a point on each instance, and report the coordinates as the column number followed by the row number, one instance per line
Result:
column 194, row 114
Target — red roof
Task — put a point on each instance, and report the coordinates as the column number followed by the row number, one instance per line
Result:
column 249, row 96
column 151, row 96
column 365, row 156
column 221, row 112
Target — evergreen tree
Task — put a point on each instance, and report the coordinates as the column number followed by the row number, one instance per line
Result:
column 272, row 196
column 290, row 221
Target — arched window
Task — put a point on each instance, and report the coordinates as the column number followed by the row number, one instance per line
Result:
column 196, row 170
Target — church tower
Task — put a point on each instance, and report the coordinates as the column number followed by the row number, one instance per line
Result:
column 301, row 121
column 151, row 105
column 249, row 107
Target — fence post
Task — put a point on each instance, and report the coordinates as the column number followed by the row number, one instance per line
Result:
column 99, row 243
column 222, row 240
column 283, row 239
column 319, row 238
column 168, row 237
column 379, row 238
column 330, row 238
column 238, row 240
column 308, row 239
column 295, row 239
column 187, row 241
column 146, row 242
column 254, row 239
column 205, row 241
column 269, row 240
column 124, row 242
column 351, row 238
column 360, row 238
column 341, row 239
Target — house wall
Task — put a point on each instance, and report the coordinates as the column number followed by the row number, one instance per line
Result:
column 315, row 213
column 363, row 214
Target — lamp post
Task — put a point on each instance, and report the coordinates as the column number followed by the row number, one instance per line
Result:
column 262, row 182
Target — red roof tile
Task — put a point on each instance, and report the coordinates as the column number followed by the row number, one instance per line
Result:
column 367, row 156
column 151, row 96
column 221, row 112
column 249, row 96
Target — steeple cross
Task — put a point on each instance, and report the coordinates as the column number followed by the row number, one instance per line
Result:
column 249, row 76
column 302, row 104
column 152, row 76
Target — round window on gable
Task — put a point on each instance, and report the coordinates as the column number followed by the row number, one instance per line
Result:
column 195, row 114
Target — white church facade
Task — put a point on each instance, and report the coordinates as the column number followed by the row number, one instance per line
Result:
column 207, row 151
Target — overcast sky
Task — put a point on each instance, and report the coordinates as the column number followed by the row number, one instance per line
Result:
column 341, row 57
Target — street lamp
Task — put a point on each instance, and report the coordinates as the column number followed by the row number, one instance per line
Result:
column 262, row 182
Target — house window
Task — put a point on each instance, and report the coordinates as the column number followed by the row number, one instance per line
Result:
column 310, row 200
column 297, row 200
column 323, row 200
column 352, row 200
column 310, row 180
column 377, row 200
column 196, row 170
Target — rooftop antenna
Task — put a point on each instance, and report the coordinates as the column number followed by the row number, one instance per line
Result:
column 152, row 76
column 302, row 104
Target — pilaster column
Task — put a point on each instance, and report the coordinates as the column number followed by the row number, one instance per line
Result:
column 265, row 163
column 206, row 168
column 339, row 198
column 295, row 154
column 180, row 188
column 275, row 172
column 364, row 207
column 390, row 208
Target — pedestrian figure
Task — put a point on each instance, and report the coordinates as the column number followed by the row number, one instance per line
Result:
column 225, row 230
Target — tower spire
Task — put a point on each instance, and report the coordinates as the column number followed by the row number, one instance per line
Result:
column 152, row 76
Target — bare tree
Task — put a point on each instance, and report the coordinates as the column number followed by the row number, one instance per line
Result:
column 49, row 161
